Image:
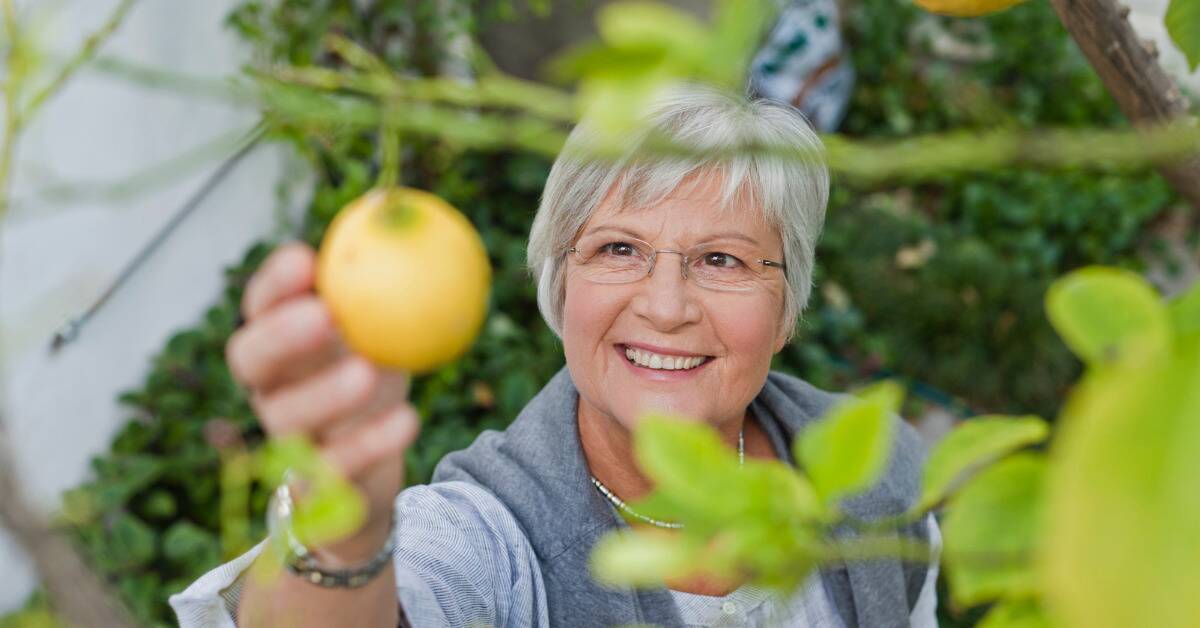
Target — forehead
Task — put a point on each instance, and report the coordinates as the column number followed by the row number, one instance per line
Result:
column 700, row 206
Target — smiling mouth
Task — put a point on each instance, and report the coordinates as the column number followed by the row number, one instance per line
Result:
column 662, row 362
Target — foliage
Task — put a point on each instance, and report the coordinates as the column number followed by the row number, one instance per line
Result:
column 1183, row 23
column 1097, row 532
column 941, row 281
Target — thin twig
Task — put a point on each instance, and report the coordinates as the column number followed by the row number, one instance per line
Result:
column 10, row 88
column 85, row 53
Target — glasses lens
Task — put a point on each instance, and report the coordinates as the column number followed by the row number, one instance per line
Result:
column 609, row 259
column 724, row 267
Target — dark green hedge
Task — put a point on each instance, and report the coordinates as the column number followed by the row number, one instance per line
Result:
column 966, row 325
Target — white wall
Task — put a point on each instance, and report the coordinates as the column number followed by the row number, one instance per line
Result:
column 57, row 256
column 1146, row 16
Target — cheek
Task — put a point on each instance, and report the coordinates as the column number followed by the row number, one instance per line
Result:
column 588, row 313
column 749, row 333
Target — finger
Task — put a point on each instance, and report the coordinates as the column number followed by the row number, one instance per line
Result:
column 339, row 391
column 386, row 435
column 289, row 270
column 285, row 341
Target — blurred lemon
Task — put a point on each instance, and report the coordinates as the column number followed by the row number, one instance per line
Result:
column 406, row 277
column 966, row 8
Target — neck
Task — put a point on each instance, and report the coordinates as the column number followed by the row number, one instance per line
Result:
column 608, row 449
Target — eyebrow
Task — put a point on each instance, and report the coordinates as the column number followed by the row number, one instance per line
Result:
column 727, row 235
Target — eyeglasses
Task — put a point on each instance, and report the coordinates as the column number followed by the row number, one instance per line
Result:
column 728, row 267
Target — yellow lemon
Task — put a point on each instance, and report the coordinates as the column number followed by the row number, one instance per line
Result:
column 966, row 8
column 406, row 277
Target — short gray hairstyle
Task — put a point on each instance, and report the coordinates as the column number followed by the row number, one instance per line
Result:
column 791, row 192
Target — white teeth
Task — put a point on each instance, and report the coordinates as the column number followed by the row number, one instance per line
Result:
column 662, row 362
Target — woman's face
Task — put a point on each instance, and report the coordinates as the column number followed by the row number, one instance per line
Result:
column 737, row 333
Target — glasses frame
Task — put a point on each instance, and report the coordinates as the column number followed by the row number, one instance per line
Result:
column 683, row 267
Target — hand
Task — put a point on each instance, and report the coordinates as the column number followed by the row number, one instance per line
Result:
column 304, row 380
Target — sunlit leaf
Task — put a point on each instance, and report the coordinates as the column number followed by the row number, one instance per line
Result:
column 991, row 531
column 687, row 461
column 1184, row 311
column 644, row 558
column 975, row 442
column 1121, row 547
column 776, row 492
column 641, row 25
column 1183, row 24
column 329, row 507
column 1108, row 313
column 1016, row 613
column 738, row 29
column 847, row 450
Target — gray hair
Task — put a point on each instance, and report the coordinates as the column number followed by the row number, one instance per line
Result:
column 791, row 193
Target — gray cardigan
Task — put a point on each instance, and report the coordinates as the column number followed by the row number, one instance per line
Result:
column 536, row 468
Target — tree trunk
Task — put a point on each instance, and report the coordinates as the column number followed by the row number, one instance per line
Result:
column 1132, row 74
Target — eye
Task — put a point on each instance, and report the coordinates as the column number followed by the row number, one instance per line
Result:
column 718, row 259
column 618, row 249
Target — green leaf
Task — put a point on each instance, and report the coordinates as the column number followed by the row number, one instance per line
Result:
column 991, row 531
column 187, row 544
column 688, row 462
column 1121, row 547
column 847, row 450
column 1016, row 613
column 737, row 31
column 652, row 25
column 131, row 543
column 643, row 558
column 975, row 442
column 1184, row 311
column 1107, row 313
column 1183, row 24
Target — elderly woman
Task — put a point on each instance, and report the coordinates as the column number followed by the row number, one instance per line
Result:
column 672, row 283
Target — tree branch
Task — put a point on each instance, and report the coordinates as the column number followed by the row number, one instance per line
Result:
column 1132, row 74
column 77, row 595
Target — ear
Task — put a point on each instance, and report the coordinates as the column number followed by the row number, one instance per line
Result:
column 781, row 334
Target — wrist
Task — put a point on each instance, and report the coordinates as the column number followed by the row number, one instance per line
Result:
column 351, row 563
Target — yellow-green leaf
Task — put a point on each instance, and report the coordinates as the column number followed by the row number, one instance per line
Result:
column 643, row 558
column 846, row 451
column 975, row 442
column 1184, row 311
column 991, row 531
column 1122, row 547
column 1105, row 314
column 687, row 461
column 1016, row 613
column 1183, row 24
column 637, row 24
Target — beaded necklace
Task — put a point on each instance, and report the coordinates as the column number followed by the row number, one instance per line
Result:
column 620, row 504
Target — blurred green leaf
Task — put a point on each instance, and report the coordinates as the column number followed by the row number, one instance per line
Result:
column 687, row 461
column 187, row 544
column 1103, row 313
column 1016, row 613
column 1184, row 311
column 131, row 542
column 991, row 531
column 645, row 558
column 1183, row 23
column 974, row 443
column 846, row 451
column 635, row 24
column 1127, row 451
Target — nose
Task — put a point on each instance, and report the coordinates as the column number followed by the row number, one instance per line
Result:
column 666, row 299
